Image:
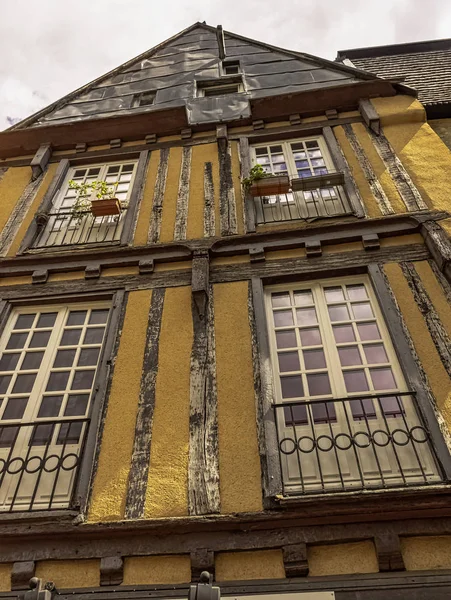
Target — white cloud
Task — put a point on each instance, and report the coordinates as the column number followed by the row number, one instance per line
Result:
column 50, row 48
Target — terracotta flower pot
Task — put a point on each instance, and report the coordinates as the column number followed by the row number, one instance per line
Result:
column 270, row 186
column 104, row 207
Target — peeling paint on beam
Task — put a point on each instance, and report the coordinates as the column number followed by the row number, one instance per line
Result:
column 227, row 208
column 209, row 196
column 181, row 216
column 157, row 207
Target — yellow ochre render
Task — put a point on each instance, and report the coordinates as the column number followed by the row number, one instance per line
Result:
column 170, row 195
column 110, row 484
column 70, row 573
column 426, row 553
column 145, row 208
column 342, row 559
column 5, row 577
column 260, row 564
column 140, row 570
column 12, row 184
column 196, row 200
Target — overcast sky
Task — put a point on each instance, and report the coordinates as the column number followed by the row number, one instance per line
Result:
column 51, row 47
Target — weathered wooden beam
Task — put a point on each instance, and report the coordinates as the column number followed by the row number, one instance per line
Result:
column 181, row 211
column 258, row 124
column 82, row 147
column 200, row 284
column 151, row 138
column 369, row 115
column 39, row 276
column 146, row 266
column 227, row 208
column 331, row 113
column 221, row 42
column 257, row 254
column 93, row 271
column 295, row 560
column 439, row 245
column 249, row 205
column 157, row 205
column 371, row 241
column 202, row 559
column 389, row 555
column 313, row 248
column 40, row 160
column 111, row 570
column 116, row 143
column 21, row 573
column 295, row 119
column 209, row 201
column 186, row 133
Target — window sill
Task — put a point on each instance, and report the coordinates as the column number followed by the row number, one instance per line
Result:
column 63, row 515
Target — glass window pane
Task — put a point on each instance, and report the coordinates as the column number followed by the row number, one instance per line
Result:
column 64, row 358
column 334, row 294
column 383, row 379
column 88, row 357
column 283, row 318
column 288, row 361
column 50, row 406
column 349, row 356
column 284, row 339
column 32, row 360
column 310, row 337
column 356, row 292
column 8, row 436
column 76, row 317
column 292, row 386
column 71, row 337
column 343, row 333
column 303, row 298
column 46, row 320
column 57, row 381
column 82, row 380
column 69, row 433
column 306, row 316
column 76, row 405
column 355, row 381
column 368, row 331
column 16, row 341
column 24, row 321
column 8, row 362
column 94, row 335
column 338, row 313
column 318, row 384
column 24, row 383
column 15, row 408
column 314, row 359
column 362, row 311
column 280, row 299
column 99, row 316
column 297, row 414
column 42, row 435
column 375, row 353
column 4, row 383
column 40, row 339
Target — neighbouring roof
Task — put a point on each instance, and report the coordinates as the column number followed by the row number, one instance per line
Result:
column 173, row 69
column 424, row 66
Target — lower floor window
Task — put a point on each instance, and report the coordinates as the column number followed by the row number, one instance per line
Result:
column 345, row 416
column 48, row 362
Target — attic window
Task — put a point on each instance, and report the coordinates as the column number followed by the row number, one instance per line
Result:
column 231, row 67
column 219, row 88
column 144, row 99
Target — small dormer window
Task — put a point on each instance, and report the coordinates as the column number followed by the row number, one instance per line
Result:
column 222, row 90
column 143, row 99
column 220, row 87
column 231, row 67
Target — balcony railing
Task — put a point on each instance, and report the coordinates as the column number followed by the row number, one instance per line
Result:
column 62, row 228
column 349, row 444
column 39, row 463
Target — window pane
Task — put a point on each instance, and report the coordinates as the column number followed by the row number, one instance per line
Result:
column 318, row 384
column 69, row 433
column 82, row 380
column 284, row 339
column 24, row 383
column 383, row 379
column 303, row 298
column 355, row 381
column 89, row 357
column 46, row 320
column 32, row 360
column 16, row 341
column 8, row 362
column 8, row 436
column 76, row 317
column 50, row 406
column 15, row 408
column 57, row 381
column 349, row 356
column 338, row 313
column 42, row 435
column 71, row 337
column 64, row 358
column 280, row 299
column 356, row 292
column 368, row 331
column 288, row 361
column 292, row 386
column 40, row 339
column 297, row 414
column 343, row 333
column 314, row 359
column 306, row 316
column 283, row 318
column 375, row 353
column 24, row 321
column 310, row 337
column 94, row 335
column 4, row 383
column 334, row 294
column 362, row 311
column 76, row 405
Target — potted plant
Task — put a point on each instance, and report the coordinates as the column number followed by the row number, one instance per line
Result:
column 101, row 205
column 261, row 183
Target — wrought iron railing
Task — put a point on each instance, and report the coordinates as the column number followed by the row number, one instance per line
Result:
column 39, row 463
column 354, row 443
column 310, row 204
column 63, row 228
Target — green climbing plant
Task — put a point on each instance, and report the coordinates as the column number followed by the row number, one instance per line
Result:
column 83, row 201
column 257, row 172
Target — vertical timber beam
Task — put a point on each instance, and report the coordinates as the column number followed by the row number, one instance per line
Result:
column 181, row 214
column 157, row 207
column 249, row 206
column 209, row 199
column 227, row 209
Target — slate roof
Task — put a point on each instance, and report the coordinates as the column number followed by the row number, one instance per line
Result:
column 424, row 66
column 172, row 70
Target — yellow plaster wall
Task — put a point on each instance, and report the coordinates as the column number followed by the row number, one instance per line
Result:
column 167, row 488
column 370, row 203
column 239, row 201
column 426, row 553
column 379, row 168
column 438, row 378
column 261, row 564
column 446, row 224
column 26, row 221
column 442, row 127
column 435, row 293
column 22, row 280
column 342, row 559
column 139, row 570
column 170, row 195
column 145, row 209
column 239, row 464
column 110, row 485
column 397, row 110
column 5, row 577
column 118, row 271
column 402, row 240
column 69, row 276
column 12, row 184
column 70, row 573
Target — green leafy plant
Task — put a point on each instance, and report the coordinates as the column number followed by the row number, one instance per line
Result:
column 257, row 172
column 83, row 201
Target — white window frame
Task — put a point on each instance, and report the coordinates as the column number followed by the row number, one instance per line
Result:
column 219, row 86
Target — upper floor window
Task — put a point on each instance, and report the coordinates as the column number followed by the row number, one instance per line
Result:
column 315, row 186
column 231, row 67
column 345, row 417
column 48, row 362
column 65, row 226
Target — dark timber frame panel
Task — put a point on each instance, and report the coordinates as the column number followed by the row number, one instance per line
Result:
column 130, row 218
column 80, row 492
